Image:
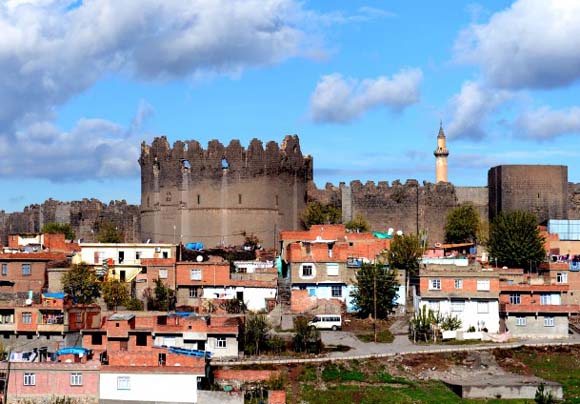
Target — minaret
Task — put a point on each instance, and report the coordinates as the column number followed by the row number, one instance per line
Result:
column 441, row 154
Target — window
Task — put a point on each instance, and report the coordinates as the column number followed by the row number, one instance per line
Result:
column 195, row 275
column 561, row 277
column 141, row 339
column 30, row 379
column 521, row 321
column 239, row 199
column 97, row 339
column 550, row 299
column 221, row 342
column 336, row 291
column 121, row 257
column 483, row 284
column 332, row 269
column 515, row 298
column 435, row 284
column 27, row 317
column 198, row 199
column 162, row 273
column 162, row 359
column 458, row 306
column 548, row 321
column 193, row 292
column 137, row 255
column 26, row 269
column 165, row 254
column 458, row 283
column 4, row 269
column 482, row 307
column 76, row 379
column 123, row 383
column 307, row 270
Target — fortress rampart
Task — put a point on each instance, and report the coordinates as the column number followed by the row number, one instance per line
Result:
column 219, row 195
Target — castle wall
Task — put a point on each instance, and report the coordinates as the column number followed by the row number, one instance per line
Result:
column 84, row 216
column 478, row 196
column 540, row 189
column 219, row 195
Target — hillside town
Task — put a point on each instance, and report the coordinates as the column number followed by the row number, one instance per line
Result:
column 111, row 321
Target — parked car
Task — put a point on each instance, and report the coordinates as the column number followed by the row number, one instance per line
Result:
column 327, row 322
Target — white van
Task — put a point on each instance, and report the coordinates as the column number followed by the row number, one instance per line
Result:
column 327, row 322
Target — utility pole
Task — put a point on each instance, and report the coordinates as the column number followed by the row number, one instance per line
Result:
column 375, row 302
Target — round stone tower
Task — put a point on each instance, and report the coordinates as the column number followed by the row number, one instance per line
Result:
column 219, row 195
column 441, row 154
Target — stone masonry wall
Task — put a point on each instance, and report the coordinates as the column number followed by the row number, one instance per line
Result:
column 84, row 216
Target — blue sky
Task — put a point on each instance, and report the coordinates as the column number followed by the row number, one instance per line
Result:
column 363, row 83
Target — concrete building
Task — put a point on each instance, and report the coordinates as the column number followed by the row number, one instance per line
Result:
column 469, row 293
column 324, row 260
column 210, row 282
column 34, row 382
column 22, row 273
column 125, row 384
column 123, row 260
column 532, row 306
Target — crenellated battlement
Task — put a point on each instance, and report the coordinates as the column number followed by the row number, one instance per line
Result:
column 189, row 157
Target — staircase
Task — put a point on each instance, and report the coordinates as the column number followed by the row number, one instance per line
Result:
column 284, row 293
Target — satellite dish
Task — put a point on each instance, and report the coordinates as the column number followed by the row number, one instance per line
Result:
column 28, row 302
column 148, row 241
column 399, row 232
column 390, row 231
column 199, row 258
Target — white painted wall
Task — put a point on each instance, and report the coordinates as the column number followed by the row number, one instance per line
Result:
column 470, row 315
column 150, row 387
column 253, row 297
column 109, row 250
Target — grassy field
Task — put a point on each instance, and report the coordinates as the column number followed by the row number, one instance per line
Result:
column 372, row 382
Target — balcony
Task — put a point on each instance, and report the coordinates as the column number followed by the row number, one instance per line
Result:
column 539, row 308
column 7, row 326
column 52, row 323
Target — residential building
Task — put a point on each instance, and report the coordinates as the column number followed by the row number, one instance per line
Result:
column 324, row 260
column 123, row 260
column 534, row 306
column 198, row 283
column 35, row 381
column 22, row 273
column 143, row 384
column 132, row 338
column 470, row 293
column 36, row 242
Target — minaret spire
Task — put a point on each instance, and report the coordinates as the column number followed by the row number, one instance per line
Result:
column 441, row 154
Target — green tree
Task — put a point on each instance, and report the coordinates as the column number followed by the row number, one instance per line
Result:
column 256, row 333
column 162, row 297
column 543, row 397
column 59, row 228
column 364, row 293
column 404, row 253
column 109, row 233
column 317, row 213
column 81, row 283
column 307, row 338
column 358, row 224
column 115, row 293
column 462, row 225
column 515, row 240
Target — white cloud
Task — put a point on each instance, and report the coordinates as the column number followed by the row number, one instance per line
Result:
column 532, row 44
column 53, row 50
column 470, row 109
column 93, row 148
column 546, row 123
column 339, row 100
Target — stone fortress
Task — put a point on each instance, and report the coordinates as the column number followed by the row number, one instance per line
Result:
column 221, row 194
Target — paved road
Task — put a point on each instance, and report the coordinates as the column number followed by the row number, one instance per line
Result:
column 400, row 346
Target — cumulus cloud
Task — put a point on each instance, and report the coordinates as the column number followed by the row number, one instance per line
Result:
column 93, row 148
column 53, row 50
column 546, row 123
column 532, row 44
column 470, row 109
column 340, row 100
